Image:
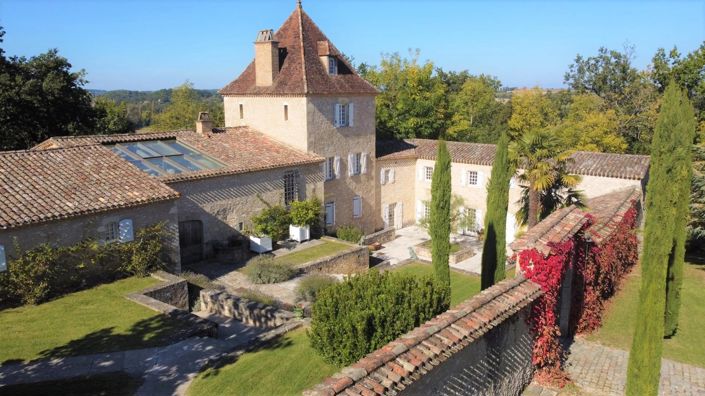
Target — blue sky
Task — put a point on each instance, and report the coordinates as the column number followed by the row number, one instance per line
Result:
column 147, row 45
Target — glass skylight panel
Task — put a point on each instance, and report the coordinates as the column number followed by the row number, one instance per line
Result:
column 164, row 157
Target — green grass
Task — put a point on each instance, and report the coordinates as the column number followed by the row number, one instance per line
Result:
column 100, row 319
column 324, row 249
column 454, row 247
column 110, row 384
column 687, row 346
column 286, row 367
column 462, row 285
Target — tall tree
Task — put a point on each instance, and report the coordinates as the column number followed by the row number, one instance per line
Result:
column 111, row 117
column 476, row 115
column 662, row 208
column 494, row 254
column 532, row 109
column 696, row 221
column 412, row 100
column 41, row 97
column 439, row 227
column 683, row 133
column 544, row 161
column 590, row 125
column 182, row 112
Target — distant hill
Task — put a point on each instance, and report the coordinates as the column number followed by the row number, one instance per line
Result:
column 161, row 96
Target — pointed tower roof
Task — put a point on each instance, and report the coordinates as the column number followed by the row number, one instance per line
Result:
column 301, row 43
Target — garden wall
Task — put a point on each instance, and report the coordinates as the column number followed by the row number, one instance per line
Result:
column 382, row 236
column 356, row 259
column 424, row 253
column 247, row 311
column 482, row 346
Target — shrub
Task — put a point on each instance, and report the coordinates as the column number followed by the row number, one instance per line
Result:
column 263, row 269
column 146, row 251
column 258, row 296
column 311, row 285
column 272, row 221
column 349, row 233
column 305, row 213
column 365, row 312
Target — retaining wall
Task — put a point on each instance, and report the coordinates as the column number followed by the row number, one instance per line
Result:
column 247, row 311
column 382, row 237
column 356, row 259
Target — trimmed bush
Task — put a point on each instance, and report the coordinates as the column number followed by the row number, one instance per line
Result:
column 263, row 269
column 311, row 285
column 365, row 312
column 349, row 233
column 272, row 221
column 305, row 213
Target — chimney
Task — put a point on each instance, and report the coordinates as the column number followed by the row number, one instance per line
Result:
column 204, row 124
column 266, row 58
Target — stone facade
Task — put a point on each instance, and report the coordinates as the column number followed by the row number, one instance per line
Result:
column 244, row 310
column 401, row 191
column 76, row 229
column 226, row 204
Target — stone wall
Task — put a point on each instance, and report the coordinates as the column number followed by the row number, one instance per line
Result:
column 480, row 347
column 356, row 259
column 424, row 253
column 247, row 311
column 74, row 230
column 382, row 236
column 174, row 290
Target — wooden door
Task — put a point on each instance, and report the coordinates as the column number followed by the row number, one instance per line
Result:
column 191, row 241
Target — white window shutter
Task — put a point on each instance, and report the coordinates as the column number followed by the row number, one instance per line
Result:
column 351, row 169
column 363, row 165
column 351, row 114
column 391, row 175
column 461, row 214
column 126, row 232
column 325, row 169
column 385, row 215
column 382, row 181
column 398, row 213
column 479, row 220
column 463, row 178
column 419, row 211
column 336, row 115
column 336, row 166
column 420, row 173
column 3, row 259
column 480, row 179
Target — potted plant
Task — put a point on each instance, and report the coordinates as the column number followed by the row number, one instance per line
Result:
column 303, row 215
column 269, row 225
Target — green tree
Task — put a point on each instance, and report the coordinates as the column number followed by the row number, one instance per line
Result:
column 476, row 115
column 696, row 221
column 544, row 162
column 182, row 112
column 590, row 126
column 111, row 117
column 494, row 255
column 669, row 154
column 412, row 100
column 439, row 228
column 41, row 97
column 531, row 110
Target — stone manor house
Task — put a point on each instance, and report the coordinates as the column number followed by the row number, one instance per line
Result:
column 299, row 123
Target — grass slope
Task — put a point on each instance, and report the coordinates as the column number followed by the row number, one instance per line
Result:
column 324, row 249
column 687, row 346
column 100, row 319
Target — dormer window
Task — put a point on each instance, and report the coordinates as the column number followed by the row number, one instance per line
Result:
column 332, row 65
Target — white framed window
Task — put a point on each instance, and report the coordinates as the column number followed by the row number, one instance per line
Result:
column 126, row 231
column 472, row 178
column 330, row 213
column 426, row 210
column 332, row 65
column 3, row 259
column 112, row 231
column 329, row 168
column 428, row 173
column 357, row 206
column 291, row 187
column 354, row 164
column 344, row 114
column 470, row 219
column 386, row 176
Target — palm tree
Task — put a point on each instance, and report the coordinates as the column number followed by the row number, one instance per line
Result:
column 548, row 184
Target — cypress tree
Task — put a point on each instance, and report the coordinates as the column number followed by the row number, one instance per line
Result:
column 661, row 202
column 683, row 133
column 439, row 226
column 494, row 251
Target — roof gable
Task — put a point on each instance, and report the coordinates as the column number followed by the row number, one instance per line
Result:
column 301, row 71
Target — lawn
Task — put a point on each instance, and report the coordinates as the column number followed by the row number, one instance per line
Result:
column 687, row 346
column 100, row 319
column 111, row 384
column 326, row 248
column 285, row 367
column 454, row 247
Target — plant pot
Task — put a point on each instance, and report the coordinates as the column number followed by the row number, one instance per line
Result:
column 299, row 233
column 260, row 244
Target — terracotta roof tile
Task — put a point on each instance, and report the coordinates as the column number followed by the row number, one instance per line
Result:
column 558, row 227
column 45, row 185
column 241, row 149
column 609, row 209
column 622, row 166
column 433, row 342
column 301, row 71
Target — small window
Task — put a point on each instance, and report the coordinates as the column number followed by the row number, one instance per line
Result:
column 471, row 219
column 356, row 163
column 242, row 111
column 330, row 213
column 286, row 112
column 330, row 168
column 427, row 210
column 357, row 206
column 343, row 115
column 472, row 178
column 112, row 232
column 428, row 173
column 291, row 187
column 126, row 232
column 332, row 65
column 3, row 259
